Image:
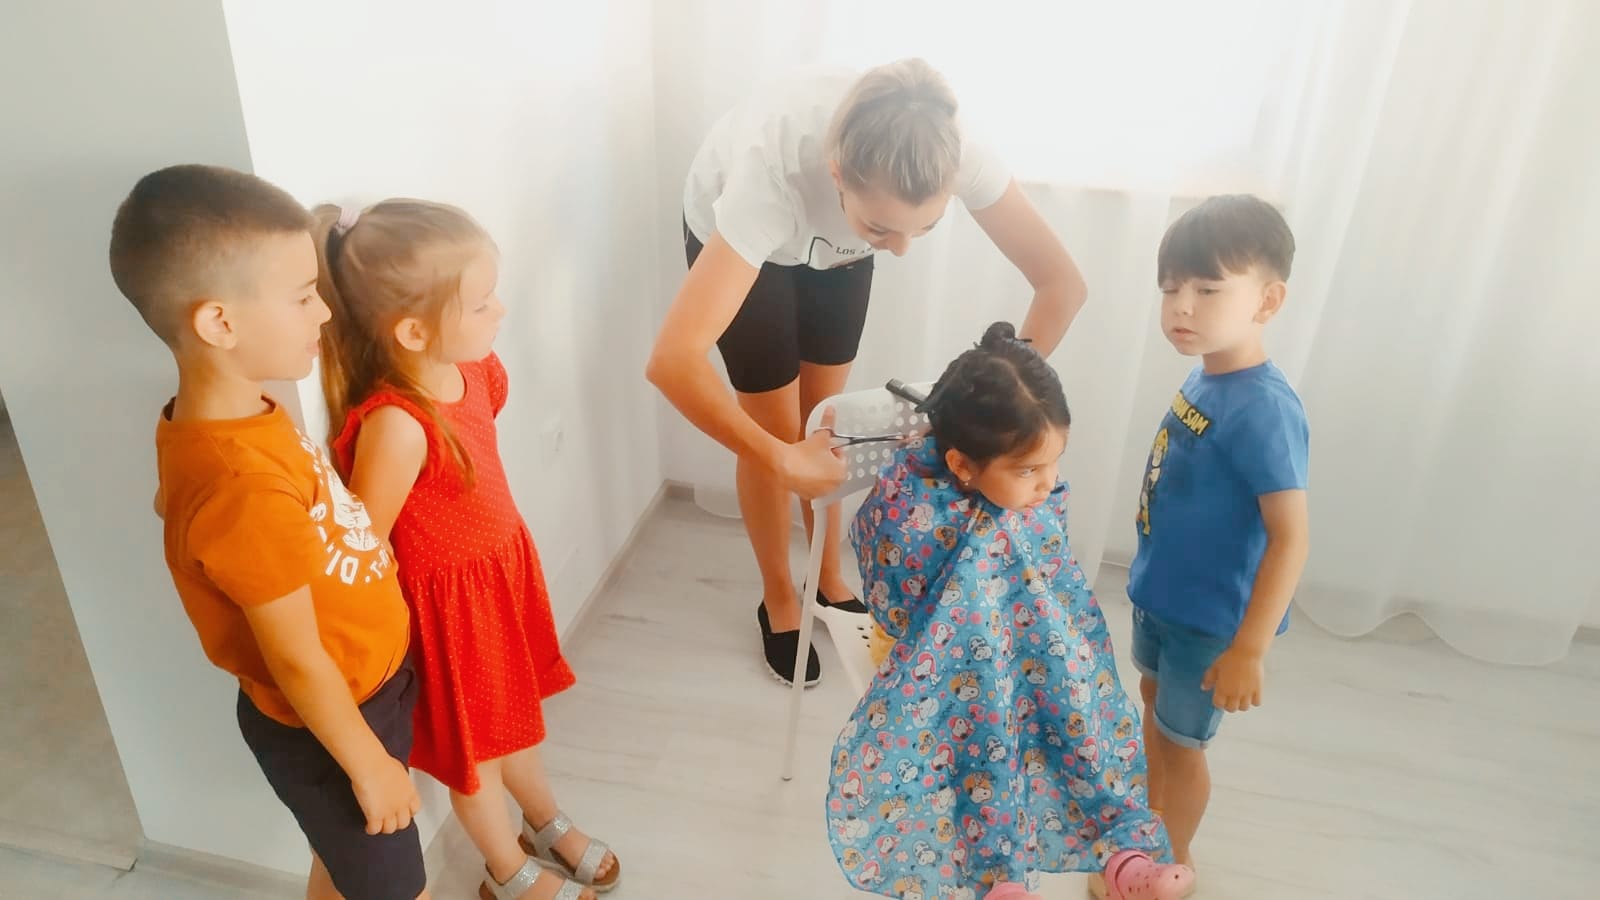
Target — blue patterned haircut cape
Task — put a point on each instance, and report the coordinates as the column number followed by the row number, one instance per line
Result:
column 996, row 741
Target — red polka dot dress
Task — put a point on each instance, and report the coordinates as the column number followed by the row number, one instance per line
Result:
column 483, row 637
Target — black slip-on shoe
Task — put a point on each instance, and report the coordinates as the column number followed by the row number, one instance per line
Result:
column 778, row 647
column 853, row 605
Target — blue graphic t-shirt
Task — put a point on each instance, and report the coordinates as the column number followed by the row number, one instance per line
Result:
column 1227, row 440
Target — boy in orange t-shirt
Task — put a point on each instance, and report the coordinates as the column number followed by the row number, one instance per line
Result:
column 276, row 564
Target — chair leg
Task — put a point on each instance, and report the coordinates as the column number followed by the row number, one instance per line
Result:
column 808, row 613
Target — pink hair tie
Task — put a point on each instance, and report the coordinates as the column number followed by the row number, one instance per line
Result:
column 347, row 220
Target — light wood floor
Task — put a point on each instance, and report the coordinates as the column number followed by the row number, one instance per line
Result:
column 1388, row 767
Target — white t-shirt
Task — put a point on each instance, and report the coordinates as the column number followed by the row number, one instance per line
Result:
column 761, row 178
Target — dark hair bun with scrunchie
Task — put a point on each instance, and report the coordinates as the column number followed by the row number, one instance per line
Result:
column 997, row 335
column 995, row 399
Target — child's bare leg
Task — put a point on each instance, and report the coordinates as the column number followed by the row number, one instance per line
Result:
column 320, row 885
column 483, row 816
column 1156, row 763
column 530, row 787
column 1185, row 792
column 1152, row 748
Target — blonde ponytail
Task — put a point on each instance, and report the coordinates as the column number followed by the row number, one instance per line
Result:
column 342, row 341
column 896, row 131
column 398, row 259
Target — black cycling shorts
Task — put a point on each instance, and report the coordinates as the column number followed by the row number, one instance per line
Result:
column 793, row 314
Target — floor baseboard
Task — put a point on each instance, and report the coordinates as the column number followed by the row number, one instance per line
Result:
column 238, row 879
column 587, row 612
column 438, row 848
column 66, row 847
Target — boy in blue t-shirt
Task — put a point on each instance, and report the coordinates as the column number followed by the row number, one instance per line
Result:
column 1222, row 525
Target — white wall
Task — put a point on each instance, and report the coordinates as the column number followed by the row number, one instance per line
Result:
column 702, row 56
column 97, row 95
column 538, row 118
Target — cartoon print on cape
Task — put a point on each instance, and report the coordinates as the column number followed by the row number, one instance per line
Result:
column 996, row 740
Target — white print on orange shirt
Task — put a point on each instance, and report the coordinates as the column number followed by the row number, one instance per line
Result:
column 356, row 541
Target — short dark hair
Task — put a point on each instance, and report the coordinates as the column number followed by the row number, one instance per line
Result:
column 1228, row 233
column 177, row 237
column 997, row 398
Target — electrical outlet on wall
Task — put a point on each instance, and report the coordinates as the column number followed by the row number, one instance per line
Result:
column 552, row 436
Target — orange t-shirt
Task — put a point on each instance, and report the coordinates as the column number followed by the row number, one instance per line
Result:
column 254, row 512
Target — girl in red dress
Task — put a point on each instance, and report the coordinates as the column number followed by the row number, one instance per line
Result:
column 413, row 389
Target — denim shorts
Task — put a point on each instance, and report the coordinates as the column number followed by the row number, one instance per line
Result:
column 1177, row 657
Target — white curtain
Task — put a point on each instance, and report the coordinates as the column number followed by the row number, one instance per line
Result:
column 1440, row 164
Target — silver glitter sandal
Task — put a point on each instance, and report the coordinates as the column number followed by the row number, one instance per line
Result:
column 539, row 843
column 520, row 883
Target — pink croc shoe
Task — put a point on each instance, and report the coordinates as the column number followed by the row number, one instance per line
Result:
column 1131, row 875
column 1010, row 890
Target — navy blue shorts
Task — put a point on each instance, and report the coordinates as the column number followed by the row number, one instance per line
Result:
column 309, row 781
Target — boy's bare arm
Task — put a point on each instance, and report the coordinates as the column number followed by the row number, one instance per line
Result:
column 1238, row 675
column 286, row 631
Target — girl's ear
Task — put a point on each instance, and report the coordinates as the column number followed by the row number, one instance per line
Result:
column 411, row 334
column 961, row 466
